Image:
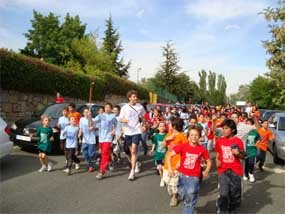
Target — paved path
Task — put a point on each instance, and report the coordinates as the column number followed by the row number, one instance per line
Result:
column 24, row 190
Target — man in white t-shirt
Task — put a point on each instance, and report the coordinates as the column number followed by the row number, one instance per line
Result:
column 131, row 116
column 248, row 109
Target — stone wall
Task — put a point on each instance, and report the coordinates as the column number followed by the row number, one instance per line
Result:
column 15, row 105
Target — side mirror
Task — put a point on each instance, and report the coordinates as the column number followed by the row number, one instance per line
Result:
column 271, row 126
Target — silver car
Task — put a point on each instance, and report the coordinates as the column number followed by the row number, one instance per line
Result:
column 278, row 145
column 6, row 145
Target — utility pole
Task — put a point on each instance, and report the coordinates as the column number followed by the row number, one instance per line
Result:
column 138, row 75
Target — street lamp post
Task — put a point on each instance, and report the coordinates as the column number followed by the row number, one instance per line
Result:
column 90, row 122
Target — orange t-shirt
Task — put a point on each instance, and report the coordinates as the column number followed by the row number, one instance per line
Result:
column 76, row 115
column 265, row 135
column 175, row 160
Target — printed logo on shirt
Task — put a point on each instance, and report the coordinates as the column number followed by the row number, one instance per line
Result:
column 227, row 154
column 251, row 140
column 190, row 160
column 160, row 147
column 70, row 135
column 44, row 138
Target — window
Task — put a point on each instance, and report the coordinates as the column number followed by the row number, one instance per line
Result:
column 281, row 125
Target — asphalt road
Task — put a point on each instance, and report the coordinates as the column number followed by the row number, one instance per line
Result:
column 24, row 190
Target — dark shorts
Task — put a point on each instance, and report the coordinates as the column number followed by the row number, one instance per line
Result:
column 132, row 139
column 159, row 162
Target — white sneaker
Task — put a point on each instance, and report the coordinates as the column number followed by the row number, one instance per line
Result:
column 137, row 168
column 245, row 178
column 49, row 167
column 162, row 184
column 43, row 168
column 77, row 166
column 251, row 178
column 67, row 170
column 132, row 176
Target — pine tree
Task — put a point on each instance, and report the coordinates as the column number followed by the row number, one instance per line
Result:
column 169, row 68
column 113, row 47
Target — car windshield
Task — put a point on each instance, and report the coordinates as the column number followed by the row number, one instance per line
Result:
column 54, row 111
column 281, row 125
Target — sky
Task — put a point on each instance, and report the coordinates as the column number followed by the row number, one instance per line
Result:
column 224, row 36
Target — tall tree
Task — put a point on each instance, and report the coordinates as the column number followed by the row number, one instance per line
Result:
column 113, row 47
column 50, row 40
column 169, row 68
column 212, row 88
column 262, row 92
column 203, row 85
column 221, row 88
column 43, row 38
column 186, row 88
column 88, row 56
column 71, row 29
column 276, row 48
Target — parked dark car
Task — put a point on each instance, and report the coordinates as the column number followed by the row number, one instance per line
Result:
column 23, row 132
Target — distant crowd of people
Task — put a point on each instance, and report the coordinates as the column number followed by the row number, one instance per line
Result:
column 182, row 141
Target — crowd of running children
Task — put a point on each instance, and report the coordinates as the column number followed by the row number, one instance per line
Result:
column 182, row 140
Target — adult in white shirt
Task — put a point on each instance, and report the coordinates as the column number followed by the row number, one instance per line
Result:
column 242, row 128
column 248, row 109
column 131, row 115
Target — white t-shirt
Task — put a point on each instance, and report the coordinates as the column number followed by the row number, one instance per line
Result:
column 248, row 110
column 132, row 113
column 243, row 129
column 62, row 122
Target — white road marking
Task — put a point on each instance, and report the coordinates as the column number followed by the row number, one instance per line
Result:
column 276, row 170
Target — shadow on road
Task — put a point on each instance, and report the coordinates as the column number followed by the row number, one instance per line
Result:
column 259, row 192
column 15, row 165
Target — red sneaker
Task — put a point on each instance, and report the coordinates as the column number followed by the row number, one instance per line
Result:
column 90, row 169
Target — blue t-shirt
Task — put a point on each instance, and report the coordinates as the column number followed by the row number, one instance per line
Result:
column 62, row 122
column 71, row 133
column 87, row 135
column 107, row 123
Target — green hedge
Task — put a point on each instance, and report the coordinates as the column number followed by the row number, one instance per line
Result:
column 27, row 74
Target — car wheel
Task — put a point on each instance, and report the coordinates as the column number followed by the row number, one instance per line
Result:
column 276, row 159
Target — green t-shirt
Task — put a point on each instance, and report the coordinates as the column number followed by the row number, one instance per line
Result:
column 251, row 140
column 44, row 142
column 160, row 151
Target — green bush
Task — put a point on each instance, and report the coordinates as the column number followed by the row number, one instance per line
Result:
column 27, row 74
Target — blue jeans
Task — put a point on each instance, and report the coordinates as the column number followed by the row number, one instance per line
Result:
column 88, row 152
column 188, row 189
column 144, row 138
